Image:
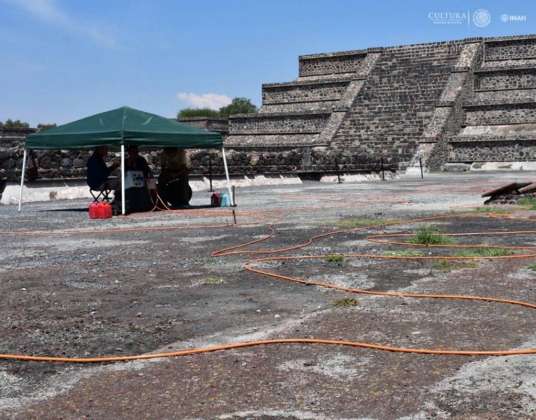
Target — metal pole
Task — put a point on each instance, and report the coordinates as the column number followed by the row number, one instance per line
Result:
column 420, row 164
column 234, row 196
column 227, row 176
column 123, row 198
column 383, row 172
column 24, row 156
column 338, row 171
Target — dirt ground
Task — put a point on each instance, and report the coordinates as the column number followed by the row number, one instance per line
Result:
column 147, row 283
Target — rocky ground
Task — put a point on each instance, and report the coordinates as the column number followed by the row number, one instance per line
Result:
column 145, row 283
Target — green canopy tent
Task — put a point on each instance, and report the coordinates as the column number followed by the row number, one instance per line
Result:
column 120, row 127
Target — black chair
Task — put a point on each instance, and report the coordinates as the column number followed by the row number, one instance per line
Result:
column 100, row 195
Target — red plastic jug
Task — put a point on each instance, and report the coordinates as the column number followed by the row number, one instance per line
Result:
column 103, row 210
column 100, row 210
column 109, row 211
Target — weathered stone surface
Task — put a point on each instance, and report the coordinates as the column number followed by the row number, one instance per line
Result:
column 508, row 49
column 456, row 167
column 331, row 63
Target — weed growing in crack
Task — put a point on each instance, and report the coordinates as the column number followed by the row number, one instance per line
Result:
column 429, row 235
column 532, row 267
column 446, row 266
column 495, row 210
column 345, row 303
column 335, row 258
column 213, row 281
column 528, row 202
column 484, row 252
column 403, row 253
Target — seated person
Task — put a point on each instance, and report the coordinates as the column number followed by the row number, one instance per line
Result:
column 138, row 181
column 97, row 170
column 173, row 180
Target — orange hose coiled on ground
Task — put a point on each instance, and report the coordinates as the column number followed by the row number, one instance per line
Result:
column 250, row 266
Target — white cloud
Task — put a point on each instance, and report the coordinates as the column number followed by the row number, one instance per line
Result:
column 48, row 11
column 204, row 100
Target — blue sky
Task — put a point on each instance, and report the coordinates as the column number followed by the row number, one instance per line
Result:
column 66, row 59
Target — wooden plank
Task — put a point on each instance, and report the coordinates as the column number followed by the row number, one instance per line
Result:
column 505, row 189
column 528, row 189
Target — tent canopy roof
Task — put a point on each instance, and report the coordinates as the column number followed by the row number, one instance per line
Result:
column 124, row 126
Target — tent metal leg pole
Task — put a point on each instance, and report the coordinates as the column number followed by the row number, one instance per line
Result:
column 24, row 158
column 123, row 198
column 231, row 198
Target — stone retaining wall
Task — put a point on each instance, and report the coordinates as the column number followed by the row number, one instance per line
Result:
column 329, row 64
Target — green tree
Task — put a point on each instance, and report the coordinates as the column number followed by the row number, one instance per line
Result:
column 14, row 125
column 197, row 112
column 238, row 106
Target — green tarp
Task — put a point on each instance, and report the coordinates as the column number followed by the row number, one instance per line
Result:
column 124, row 126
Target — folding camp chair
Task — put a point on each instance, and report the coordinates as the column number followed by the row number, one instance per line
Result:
column 100, row 195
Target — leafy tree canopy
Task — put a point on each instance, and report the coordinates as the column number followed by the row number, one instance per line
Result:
column 9, row 124
column 237, row 106
column 198, row 112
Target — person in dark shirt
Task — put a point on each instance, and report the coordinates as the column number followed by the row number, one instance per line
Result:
column 97, row 170
column 135, row 162
column 139, row 183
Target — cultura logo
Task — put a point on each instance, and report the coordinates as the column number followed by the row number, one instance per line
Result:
column 480, row 17
column 448, row 18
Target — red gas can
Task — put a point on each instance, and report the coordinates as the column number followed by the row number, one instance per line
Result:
column 93, row 207
column 109, row 211
column 103, row 210
column 100, row 210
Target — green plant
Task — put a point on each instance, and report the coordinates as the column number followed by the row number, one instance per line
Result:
column 445, row 265
column 429, row 235
column 532, row 267
column 335, row 258
column 528, row 202
column 484, row 252
column 486, row 209
column 213, row 281
column 345, row 303
column 403, row 253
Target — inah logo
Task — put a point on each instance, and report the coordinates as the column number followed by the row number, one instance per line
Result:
column 513, row 18
column 481, row 18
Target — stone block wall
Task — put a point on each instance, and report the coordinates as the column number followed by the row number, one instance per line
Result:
column 60, row 164
column 500, row 111
column 275, row 123
column 330, row 64
column 493, row 150
column 515, row 48
column 500, row 114
column 502, row 79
